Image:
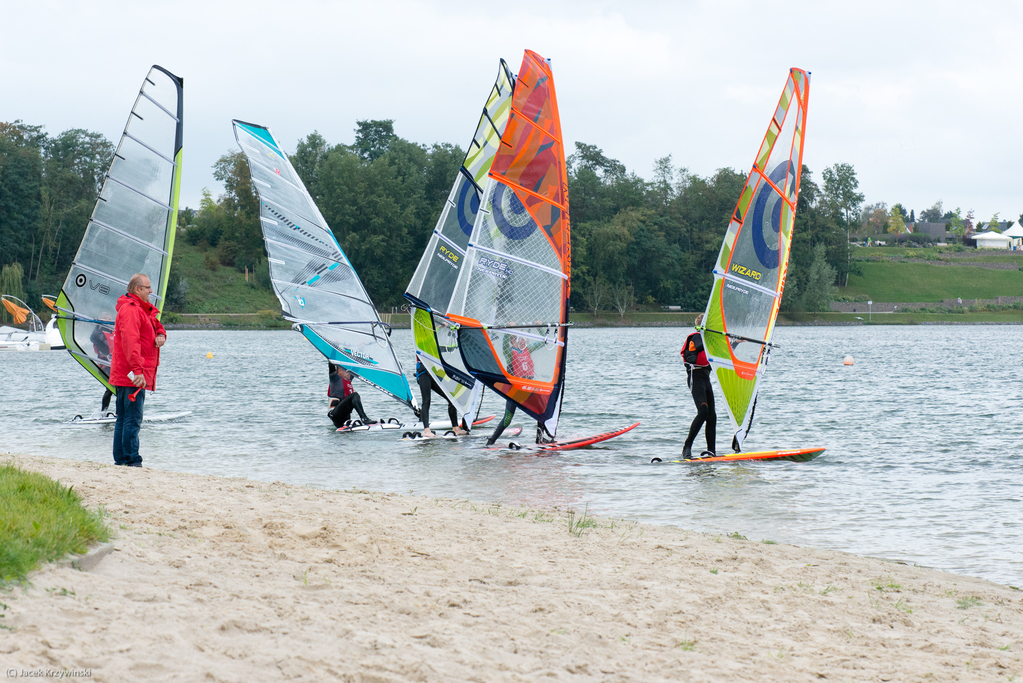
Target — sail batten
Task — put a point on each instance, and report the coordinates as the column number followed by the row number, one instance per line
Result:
column 132, row 226
column 311, row 275
column 749, row 275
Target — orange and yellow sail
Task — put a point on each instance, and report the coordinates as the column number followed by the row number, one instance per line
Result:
column 511, row 298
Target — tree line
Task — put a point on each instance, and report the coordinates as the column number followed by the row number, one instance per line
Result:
column 634, row 241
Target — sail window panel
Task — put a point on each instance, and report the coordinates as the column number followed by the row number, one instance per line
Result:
column 163, row 89
column 747, row 314
column 130, row 212
column 295, row 265
column 281, row 233
column 153, row 126
column 437, row 275
column 93, row 296
column 460, row 215
column 95, row 340
column 317, row 307
column 286, row 199
column 141, row 169
column 504, row 292
column 117, row 256
column 544, row 355
column 510, row 228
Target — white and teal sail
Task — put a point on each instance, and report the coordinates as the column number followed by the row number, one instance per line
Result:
column 434, row 280
column 319, row 290
column 132, row 227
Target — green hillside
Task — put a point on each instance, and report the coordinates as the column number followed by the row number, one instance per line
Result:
column 221, row 289
column 931, row 283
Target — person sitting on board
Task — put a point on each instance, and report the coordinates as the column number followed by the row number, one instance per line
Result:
column 343, row 398
column 428, row 385
column 518, row 356
column 101, row 338
column 698, row 376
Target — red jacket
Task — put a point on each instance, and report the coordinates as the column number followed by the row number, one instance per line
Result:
column 134, row 347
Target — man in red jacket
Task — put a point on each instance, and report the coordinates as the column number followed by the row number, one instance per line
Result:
column 138, row 336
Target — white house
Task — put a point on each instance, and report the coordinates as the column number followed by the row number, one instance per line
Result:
column 992, row 240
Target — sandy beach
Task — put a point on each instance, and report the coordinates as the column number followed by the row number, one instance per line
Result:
column 235, row 580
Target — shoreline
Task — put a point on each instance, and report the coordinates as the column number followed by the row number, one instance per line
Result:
column 233, row 579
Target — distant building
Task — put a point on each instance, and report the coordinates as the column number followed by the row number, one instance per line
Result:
column 935, row 230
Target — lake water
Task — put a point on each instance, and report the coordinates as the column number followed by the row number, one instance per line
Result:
column 924, row 435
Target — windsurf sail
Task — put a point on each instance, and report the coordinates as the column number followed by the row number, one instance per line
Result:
column 511, row 298
column 132, row 227
column 434, row 281
column 319, row 290
column 749, row 274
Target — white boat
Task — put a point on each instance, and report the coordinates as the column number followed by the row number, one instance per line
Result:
column 37, row 337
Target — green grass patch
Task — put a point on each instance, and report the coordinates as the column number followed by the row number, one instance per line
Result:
column 222, row 290
column 930, row 283
column 41, row 520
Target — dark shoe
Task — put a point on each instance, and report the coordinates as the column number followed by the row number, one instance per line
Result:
column 135, row 464
column 491, row 441
column 687, row 452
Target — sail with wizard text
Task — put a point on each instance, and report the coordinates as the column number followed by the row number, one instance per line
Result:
column 749, row 275
column 132, row 227
column 511, row 297
column 434, row 281
column 318, row 289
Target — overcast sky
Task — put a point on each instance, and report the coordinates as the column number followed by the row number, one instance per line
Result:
column 923, row 98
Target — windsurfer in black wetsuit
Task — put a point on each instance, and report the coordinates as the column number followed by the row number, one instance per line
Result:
column 343, row 398
column 427, row 385
column 698, row 375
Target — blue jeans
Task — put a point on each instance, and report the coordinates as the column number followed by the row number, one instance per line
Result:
column 126, row 429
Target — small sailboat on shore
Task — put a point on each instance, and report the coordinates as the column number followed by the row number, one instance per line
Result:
column 37, row 336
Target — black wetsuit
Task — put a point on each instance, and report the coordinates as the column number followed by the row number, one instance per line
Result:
column 427, row 385
column 703, row 397
column 341, row 406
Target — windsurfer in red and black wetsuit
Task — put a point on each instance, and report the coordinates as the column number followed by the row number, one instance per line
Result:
column 698, row 374
column 519, row 356
column 343, row 398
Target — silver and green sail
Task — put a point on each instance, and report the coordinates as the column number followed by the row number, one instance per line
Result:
column 132, row 227
column 434, row 281
column 749, row 274
column 319, row 290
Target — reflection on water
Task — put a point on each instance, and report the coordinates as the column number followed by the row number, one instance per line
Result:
column 924, row 435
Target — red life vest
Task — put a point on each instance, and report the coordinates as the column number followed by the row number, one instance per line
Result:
column 690, row 355
column 522, row 363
